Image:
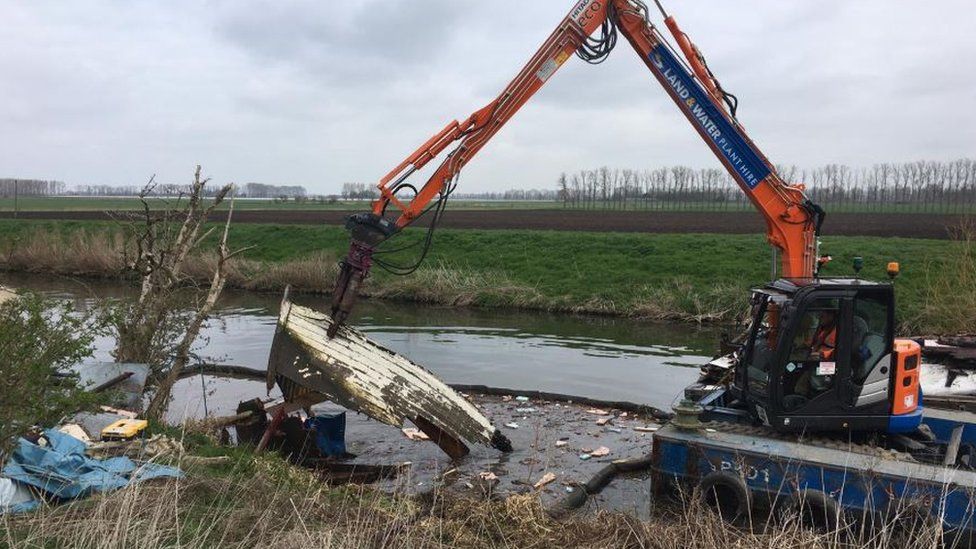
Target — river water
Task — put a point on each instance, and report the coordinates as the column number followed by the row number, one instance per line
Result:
column 598, row 357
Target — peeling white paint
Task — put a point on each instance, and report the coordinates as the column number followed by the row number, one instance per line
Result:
column 357, row 373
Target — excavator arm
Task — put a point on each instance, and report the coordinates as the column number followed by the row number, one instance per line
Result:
column 792, row 221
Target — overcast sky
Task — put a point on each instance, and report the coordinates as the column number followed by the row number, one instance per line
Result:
column 319, row 92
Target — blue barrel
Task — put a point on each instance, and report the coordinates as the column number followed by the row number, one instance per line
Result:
column 330, row 433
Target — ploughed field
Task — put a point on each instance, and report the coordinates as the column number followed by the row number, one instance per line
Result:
column 908, row 225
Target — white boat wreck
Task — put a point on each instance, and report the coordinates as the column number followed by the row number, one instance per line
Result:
column 358, row 374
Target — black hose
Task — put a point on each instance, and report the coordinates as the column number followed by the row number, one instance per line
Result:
column 597, row 483
column 596, row 50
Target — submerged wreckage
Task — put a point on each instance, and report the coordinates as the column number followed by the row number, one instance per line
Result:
column 356, row 373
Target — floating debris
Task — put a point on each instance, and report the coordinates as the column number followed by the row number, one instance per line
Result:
column 526, row 410
column 487, row 475
column 642, row 429
column 561, row 443
column 512, row 425
column 415, row 434
column 546, row 479
column 522, row 398
column 615, row 429
column 603, row 421
column 584, row 457
column 600, row 452
column 598, row 412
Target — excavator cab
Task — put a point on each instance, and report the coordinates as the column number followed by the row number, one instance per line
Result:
column 820, row 355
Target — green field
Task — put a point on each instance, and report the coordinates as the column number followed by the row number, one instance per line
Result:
column 656, row 275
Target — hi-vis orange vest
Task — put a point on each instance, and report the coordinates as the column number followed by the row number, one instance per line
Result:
column 825, row 341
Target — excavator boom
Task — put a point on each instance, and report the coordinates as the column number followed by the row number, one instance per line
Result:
column 589, row 31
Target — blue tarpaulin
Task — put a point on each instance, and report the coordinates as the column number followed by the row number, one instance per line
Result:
column 60, row 469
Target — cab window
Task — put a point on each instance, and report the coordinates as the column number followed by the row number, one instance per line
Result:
column 870, row 333
column 811, row 367
column 765, row 315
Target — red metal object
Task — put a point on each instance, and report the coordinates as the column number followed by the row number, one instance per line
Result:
column 276, row 420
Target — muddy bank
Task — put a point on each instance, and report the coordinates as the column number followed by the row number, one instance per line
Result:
column 562, row 438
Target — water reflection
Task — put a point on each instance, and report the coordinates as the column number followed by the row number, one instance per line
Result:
column 608, row 358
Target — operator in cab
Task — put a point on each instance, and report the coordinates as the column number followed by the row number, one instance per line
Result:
column 824, row 341
column 811, row 369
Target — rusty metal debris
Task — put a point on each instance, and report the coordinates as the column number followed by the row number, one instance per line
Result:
column 356, row 373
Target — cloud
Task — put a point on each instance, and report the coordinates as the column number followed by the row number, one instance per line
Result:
column 320, row 93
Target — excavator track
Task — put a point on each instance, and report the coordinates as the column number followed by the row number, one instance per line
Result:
column 820, row 441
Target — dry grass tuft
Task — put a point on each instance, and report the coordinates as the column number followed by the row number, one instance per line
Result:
column 442, row 285
column 680, row 300
column 80, row 253
column 102, row 254
column 315, row 273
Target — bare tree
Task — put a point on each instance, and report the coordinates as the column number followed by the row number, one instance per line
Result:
column 157, row 328
column 181, row 356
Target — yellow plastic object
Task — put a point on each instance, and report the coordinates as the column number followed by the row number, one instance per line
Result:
column 124, row 429
column 893, row 269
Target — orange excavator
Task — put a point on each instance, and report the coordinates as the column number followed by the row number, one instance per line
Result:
column 783, row 376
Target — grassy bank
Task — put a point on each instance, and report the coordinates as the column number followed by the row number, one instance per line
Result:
column 661, row 276
column 234, row 498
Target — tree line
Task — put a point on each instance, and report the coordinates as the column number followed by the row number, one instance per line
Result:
column 38, row 187
column 368, row 191
column 31, row 187
column 264, row 190
column 923, row 186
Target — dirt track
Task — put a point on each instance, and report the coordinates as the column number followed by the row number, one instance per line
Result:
column 860, row 224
